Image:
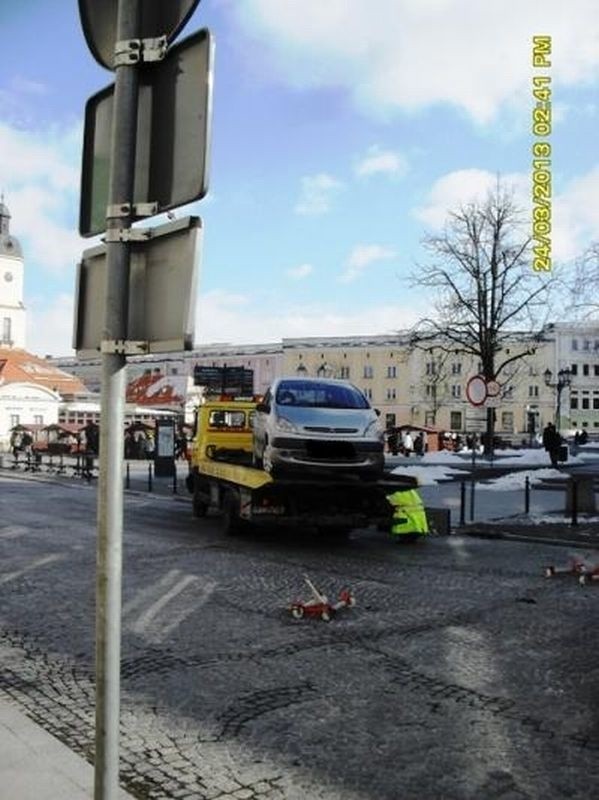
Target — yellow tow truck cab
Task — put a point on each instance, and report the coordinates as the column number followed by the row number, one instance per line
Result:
column 223, row 430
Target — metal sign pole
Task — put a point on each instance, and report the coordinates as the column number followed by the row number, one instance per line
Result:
column 110, row 487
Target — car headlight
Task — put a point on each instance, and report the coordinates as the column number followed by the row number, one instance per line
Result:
column 374, row 429
column 285, row 425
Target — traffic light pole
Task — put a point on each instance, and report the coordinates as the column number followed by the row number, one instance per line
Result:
column 110, row 488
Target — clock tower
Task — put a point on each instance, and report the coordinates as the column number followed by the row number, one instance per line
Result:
column 12, row 309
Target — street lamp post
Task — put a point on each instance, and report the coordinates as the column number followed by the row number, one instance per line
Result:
column 564, row 378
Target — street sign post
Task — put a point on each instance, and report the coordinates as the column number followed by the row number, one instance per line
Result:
column 156, row 18
column 131, row 37
column 173, row 136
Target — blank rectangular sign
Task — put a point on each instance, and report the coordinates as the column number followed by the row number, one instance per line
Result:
column 173, row 134
column 162, row 291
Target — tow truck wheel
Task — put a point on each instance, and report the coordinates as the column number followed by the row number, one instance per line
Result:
column 199, row 507
column 231, row 522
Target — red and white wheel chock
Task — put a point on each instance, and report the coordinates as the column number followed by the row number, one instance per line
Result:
column 581, row 569
column 319, row 605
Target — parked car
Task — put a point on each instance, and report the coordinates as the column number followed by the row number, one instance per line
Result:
column 306, row 423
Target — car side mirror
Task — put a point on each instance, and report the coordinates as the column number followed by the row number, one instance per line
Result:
column 264, row 408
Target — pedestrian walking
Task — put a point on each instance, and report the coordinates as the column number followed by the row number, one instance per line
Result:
column 419, row 445
column 552, row 442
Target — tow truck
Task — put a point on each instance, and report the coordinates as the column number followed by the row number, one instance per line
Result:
column 222, row 479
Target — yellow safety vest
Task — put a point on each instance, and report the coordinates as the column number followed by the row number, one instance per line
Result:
column 409, row 515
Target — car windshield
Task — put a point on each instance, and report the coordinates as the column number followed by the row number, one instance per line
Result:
column 319, row 395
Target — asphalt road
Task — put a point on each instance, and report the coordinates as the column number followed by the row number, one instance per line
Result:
column 461, row 673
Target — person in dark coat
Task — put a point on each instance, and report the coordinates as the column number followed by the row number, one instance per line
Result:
column 552, row 442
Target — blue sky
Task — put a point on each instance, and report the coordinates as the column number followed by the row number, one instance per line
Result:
column 342, row 132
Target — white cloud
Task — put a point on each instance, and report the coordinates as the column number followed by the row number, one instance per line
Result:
column 575, row 210
column 576, row 216
column 378, row 161
column 50, row 325
column 465, row 186
column 39, row 174
column 300, row 272
column 246, row 322
column 361, row 257
column 408, row 54
column 317, row 194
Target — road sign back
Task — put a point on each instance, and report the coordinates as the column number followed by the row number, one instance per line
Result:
column 173, row 135
column 158, row 18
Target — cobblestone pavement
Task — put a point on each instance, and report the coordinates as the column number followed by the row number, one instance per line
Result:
column 461, row 673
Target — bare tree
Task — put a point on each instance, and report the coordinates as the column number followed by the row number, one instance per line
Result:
column 583, row 285
column 483, row 289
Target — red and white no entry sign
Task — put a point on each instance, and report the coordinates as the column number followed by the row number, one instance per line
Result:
column 476, row 390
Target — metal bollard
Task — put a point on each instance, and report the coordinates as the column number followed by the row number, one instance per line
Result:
column 150, row 477
column 463, row 503
column 472, row 488
column 175, row 480
column 128, row 476
column 574, row 501
column 527, row 495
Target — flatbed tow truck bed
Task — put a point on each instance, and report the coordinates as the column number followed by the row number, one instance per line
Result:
column 334, row 504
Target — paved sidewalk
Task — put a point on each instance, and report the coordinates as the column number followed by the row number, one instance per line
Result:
column 585, row 534
column 36, row 766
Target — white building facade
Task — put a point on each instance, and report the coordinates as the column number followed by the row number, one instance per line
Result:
column 12, row 308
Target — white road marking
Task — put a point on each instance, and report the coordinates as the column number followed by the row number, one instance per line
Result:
column 41, row 562
column 149, row 623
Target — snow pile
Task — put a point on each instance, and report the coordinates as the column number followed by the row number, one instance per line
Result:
column 427, row 476
column 504, row 458
column 517, row 480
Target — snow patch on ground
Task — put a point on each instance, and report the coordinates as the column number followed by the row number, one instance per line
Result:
column 517, row 480
column 427, row 475
column 504, row 458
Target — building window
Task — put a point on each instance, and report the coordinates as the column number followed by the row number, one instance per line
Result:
column 508, row 392
column 574, row 402
column 585, row 369
column 507, row 421
column 595, row 402
column 368, row 393
column 586, row 402
column 596, row 369
column 574, row 369
column 431, row 368
column 14, row 420
column 456, row 390
column 456, row 368
column 344, row 372
column 430, row 390
column 533, row 391
column 389, row 421
column 368, row 372
column 574, row 344
column 455, row 420
column 586, row 345
column 392, row 372
column 6, row 330
column 429, row 418
column 38, row 419
column 391, row 394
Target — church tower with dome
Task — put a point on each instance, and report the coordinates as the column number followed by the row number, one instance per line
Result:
column 12, row 309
